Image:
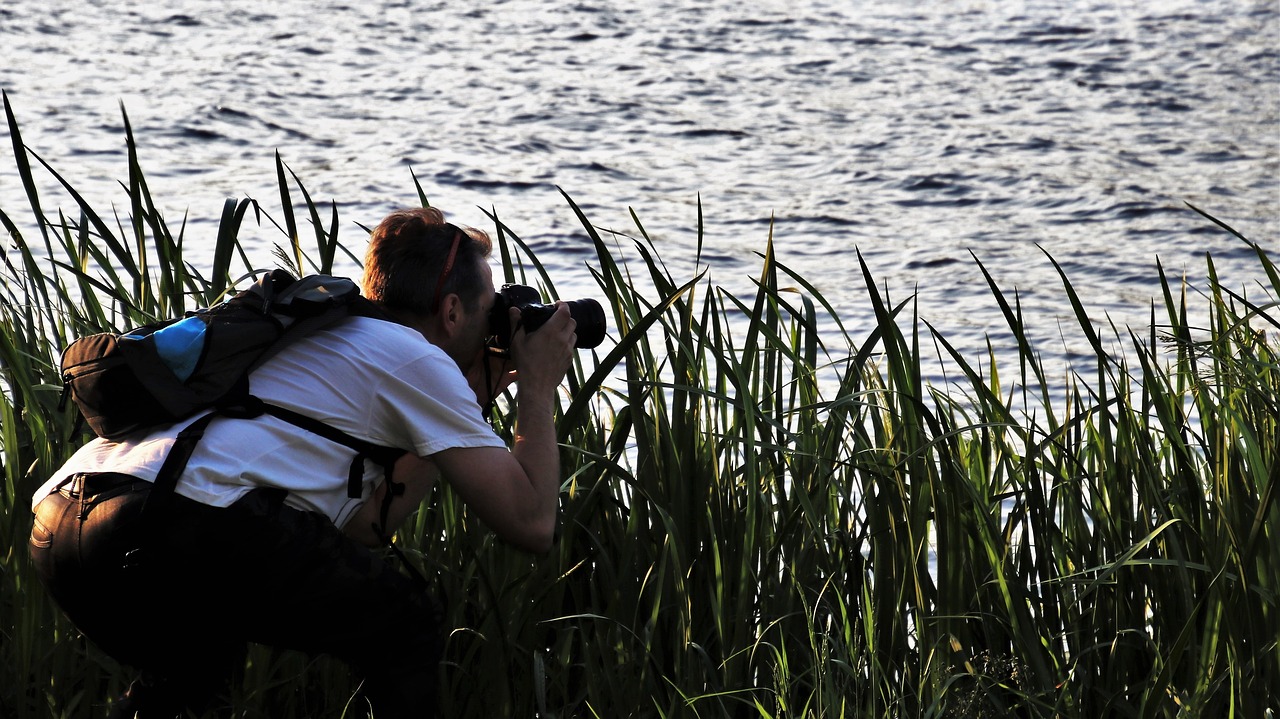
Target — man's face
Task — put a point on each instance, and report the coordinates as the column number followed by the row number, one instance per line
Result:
column 469, row 342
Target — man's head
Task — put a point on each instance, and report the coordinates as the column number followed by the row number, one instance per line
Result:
column 415, row 259
column 433, row 276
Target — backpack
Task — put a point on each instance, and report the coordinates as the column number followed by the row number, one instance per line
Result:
column 170, row 370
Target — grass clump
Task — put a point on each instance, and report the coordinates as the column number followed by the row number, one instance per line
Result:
column 760, row 518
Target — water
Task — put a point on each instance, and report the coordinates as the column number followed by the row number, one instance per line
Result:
column 914, row 133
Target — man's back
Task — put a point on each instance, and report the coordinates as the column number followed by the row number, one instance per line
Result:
column 375, row 380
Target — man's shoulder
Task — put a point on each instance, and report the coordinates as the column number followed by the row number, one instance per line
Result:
column 381, row 325
column 358, row 328
column 382, row 342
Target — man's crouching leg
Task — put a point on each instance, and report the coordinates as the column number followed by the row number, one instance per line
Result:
column 331, row 595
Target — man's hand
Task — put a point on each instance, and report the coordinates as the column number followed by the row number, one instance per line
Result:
column 549, row 349
column 544, row 356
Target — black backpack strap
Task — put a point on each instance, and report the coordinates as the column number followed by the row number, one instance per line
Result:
column 384, row 457
column 174, row 463
column 185, row 443
column 365, row 307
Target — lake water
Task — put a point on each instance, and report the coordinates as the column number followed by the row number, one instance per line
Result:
column 915, row 133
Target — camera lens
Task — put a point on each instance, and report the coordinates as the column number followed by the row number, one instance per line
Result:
column 590, row 318
column 586, row 313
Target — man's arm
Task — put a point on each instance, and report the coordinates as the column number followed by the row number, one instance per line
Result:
column 516, row 493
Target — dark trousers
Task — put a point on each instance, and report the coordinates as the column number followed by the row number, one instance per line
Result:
column 180, row 595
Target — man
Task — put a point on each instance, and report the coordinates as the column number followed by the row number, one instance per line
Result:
column 262, row 543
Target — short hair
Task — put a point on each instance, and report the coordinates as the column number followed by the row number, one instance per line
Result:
column 407, row 254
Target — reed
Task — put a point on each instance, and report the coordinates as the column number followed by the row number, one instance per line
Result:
column 766, row 513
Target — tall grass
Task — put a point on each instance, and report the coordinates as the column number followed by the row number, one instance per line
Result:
column 760, row 518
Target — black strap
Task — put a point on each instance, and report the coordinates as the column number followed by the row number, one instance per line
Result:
column 185, row 443
column 174, row 463
column 384, row 457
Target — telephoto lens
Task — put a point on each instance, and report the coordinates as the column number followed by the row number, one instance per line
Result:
column 587, row 313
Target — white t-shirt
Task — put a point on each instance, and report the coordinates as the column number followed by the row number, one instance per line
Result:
column 375, row 380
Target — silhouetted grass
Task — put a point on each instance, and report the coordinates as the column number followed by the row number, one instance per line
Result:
column 760, row 519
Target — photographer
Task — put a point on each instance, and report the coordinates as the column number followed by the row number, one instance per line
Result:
column 262, row 542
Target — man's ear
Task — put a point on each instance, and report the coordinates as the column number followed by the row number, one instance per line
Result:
column 450, row 316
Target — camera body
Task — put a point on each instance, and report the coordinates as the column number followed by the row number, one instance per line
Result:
column 587, row 313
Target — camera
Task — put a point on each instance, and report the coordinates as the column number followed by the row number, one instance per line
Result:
column 587, row 313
